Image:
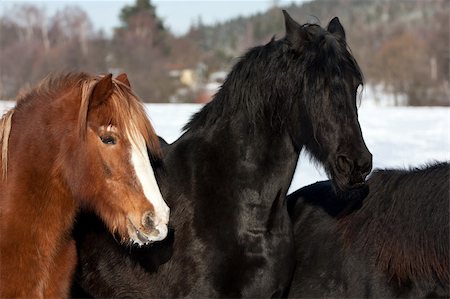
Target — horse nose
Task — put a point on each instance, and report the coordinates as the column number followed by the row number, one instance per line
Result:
column 147, row 221
column 365, row 164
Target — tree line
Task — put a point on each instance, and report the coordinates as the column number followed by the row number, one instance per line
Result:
column 402, row 46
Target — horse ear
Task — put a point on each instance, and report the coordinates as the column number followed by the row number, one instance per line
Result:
column 335, row 28
column 102, row 91
column 124, row 79
column 294, row 32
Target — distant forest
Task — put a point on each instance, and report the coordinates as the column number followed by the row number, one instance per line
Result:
column 401, row 45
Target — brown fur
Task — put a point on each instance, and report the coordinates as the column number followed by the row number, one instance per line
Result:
column 62, row 270
column 53, row 163
column 404, row 223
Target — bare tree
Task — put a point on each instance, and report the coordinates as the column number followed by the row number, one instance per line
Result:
column 32, row 46
column 72, row 24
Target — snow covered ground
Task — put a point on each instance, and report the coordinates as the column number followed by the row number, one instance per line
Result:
column 396, row 136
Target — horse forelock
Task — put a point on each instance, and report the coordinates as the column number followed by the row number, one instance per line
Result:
column 396, row 225
column 122, row 109
column 334, row 55
column 131, row 114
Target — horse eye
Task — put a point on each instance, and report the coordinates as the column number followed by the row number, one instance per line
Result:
column 108, row 139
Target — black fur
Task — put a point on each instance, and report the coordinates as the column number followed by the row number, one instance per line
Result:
column 395, row 245
column 227, row 177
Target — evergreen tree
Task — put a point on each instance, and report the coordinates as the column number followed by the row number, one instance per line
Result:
column 140, row 6
column 141, row 48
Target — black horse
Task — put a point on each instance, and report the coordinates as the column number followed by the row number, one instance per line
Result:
column 392, row 243
column 227, row 176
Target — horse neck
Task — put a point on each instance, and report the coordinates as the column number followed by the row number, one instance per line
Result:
column 266, row 163
column 32, row 176
column 243, row 168
column 37, row 212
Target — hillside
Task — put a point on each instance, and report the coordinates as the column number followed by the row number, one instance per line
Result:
column 403, row 45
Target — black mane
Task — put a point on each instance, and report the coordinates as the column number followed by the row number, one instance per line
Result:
column 248, row 83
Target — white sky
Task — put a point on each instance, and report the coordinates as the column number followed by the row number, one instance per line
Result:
column 177, row 15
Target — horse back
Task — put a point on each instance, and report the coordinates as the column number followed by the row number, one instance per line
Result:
column 323, row 269
column 405, row 219
column 396, row 244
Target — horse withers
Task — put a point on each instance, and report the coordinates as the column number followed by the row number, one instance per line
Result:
column 227, row 176
column 392, row 242
column 74, row 141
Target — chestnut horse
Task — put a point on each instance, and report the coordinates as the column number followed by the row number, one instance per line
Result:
column 70, row 143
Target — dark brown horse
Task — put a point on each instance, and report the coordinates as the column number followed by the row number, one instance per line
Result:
column 75, row 141
column 226, row 178
column 393, row 242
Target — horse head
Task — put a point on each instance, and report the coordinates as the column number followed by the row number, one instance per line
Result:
column 111, row 170
column 330, row 128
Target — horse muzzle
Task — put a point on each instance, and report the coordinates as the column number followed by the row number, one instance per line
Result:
column 350, row 172
column 148, row 231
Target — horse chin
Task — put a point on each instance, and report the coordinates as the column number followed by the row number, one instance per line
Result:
column 341, row 181
column 345, row 184
column 339, row 184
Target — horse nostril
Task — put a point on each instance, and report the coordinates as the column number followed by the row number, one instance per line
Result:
column 344, row 164
column 366, row 166
column 366, row 170
column 147, row 221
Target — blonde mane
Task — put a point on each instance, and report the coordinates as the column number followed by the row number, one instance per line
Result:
column 125, row 108
column 48, row 86
column 5, row 130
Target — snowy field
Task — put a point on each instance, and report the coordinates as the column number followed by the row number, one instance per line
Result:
column 397, row 137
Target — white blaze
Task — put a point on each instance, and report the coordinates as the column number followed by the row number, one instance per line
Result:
column 147, row 179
